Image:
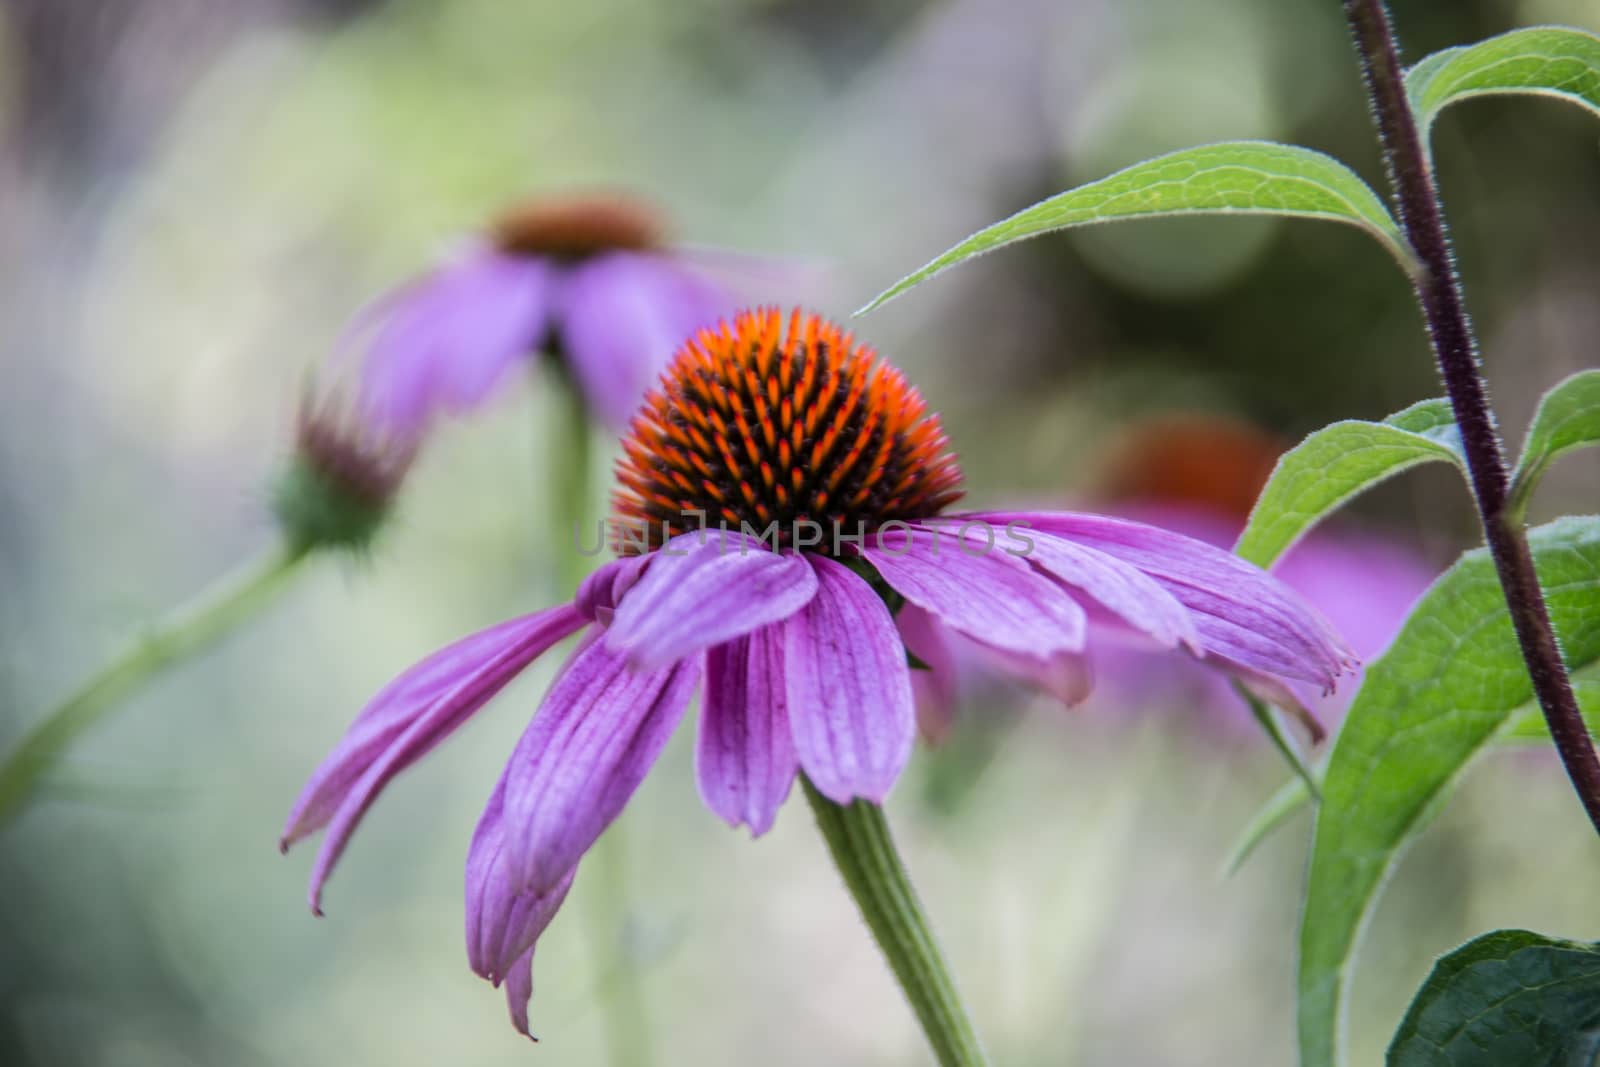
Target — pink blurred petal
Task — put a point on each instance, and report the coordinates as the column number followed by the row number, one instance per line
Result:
column 1067, row 676
column 936, row 687
column 624, row 314
column 445, row 342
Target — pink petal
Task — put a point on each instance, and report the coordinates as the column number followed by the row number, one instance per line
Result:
column 502, row 923
column 624, row 316
column 594, row 738
column 849, row 689
column 935, row 687
column 447, row 340
column 519, row 993
column 599, row 594
column 745, row 761
column 1245, row 617
column 406, row 720
column 705, row 588
column 1272, row 691
column 997, row 599
column 1118, row 587
column 1066, row 675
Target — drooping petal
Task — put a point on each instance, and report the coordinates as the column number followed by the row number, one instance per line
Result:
column 1245, row 617
column 745, row 760
column 445, row 342
column 703, row 588
column 406, row 720
column 849, row 689
column 1239, row 634
column 1115, row 585
column 595, row 736
column 502, row 923
column 935, row 683
column 994, row 598
column 625, row 314
column 519, row 993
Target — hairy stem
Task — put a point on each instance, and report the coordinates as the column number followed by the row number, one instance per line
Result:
column 863, row 849
column 188, row 630
column 1439, row 291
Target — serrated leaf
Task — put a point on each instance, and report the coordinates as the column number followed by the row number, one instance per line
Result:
column 1568, row 418
column 1447, row 686
column 1508, row 997
column 1317, row 476
column 1544, row 60
column 1236, row 178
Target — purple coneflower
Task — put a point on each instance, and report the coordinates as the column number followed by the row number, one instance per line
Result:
column 781, row 496
column 587, row 278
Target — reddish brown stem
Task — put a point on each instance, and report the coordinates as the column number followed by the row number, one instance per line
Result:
column 1439, row 292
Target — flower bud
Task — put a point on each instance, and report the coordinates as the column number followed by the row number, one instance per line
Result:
column 337, row 489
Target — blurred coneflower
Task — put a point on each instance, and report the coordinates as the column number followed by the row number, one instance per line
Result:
column 589, row 279
column 1200, row 475
column 781, row 498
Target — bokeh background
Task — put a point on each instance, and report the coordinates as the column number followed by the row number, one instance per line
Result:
column 195, row 197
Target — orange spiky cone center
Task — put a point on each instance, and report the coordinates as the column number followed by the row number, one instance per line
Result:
column 753, row 424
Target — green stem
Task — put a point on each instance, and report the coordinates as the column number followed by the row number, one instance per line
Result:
column 184, row 632
column 863, row 849
column 569, row 486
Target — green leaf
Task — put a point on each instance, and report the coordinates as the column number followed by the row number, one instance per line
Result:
column 1508, row 997
column 1447, row 686
column 1318, row 475
column 1237, row 178
column 1545, row 60
column 1568, row 418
